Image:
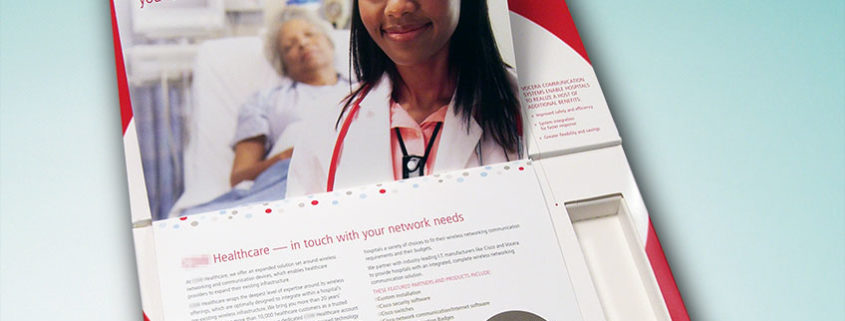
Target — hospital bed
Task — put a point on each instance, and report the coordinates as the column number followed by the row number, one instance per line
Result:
column 226, row 73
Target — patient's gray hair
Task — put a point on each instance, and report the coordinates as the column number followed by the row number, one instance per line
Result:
column 272, row 47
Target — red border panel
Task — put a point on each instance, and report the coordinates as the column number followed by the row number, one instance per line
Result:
column 122, row 83
column 554, row 16
column 663, row 274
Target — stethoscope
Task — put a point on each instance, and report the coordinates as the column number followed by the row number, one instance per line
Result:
column 412, row 165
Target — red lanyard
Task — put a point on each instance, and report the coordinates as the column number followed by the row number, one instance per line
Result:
column 341, row 136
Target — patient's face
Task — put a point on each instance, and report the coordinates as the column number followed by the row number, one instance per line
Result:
column 305, row 48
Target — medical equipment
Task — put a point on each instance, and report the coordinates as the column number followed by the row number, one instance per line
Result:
column 341, row 136
column 179, row 19
column 337, row 12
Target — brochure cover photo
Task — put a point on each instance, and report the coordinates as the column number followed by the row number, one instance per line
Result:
column 218, row 107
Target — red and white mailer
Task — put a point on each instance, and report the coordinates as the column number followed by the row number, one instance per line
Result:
column 614, row 261
column 571, row 134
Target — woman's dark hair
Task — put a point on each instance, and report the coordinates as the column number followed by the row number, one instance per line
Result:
column 483, row 90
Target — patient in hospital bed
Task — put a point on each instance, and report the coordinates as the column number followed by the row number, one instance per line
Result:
column 299, row 48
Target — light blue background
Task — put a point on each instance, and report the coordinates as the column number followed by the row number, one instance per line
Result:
column 732, row 114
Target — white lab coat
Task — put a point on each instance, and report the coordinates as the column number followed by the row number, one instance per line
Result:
column 366, row 157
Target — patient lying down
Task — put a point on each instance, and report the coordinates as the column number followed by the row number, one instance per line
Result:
column 299, row 48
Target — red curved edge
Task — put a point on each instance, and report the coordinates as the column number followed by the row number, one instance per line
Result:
column 122, row 83
column 663, row 274
column 554, row 16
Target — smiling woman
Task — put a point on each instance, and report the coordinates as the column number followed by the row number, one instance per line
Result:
column 434, row 95
column 410, row 32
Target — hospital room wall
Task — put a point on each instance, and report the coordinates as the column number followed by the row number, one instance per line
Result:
column 161, row 107
column 159, row 127
column 159, row 110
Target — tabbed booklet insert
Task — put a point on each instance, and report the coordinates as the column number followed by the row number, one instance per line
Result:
column 423, row 249
column 277, row 172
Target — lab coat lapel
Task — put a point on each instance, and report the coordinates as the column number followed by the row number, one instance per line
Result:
column 457, row 145
column 366, row 157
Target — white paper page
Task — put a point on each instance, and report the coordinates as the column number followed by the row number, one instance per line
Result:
column 475, row 244
column 560, row 93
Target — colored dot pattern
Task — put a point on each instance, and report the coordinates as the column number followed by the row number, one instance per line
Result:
column 271, row 208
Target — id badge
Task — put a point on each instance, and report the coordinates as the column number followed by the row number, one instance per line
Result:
column 412, row 166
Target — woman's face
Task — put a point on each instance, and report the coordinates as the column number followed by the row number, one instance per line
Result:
column 304, row 47
column 410, row 32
